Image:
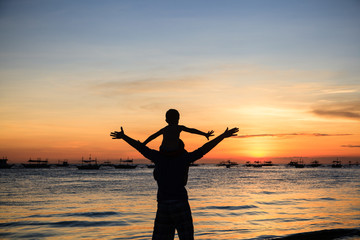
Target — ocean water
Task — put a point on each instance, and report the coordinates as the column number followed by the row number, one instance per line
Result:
column 235, row 203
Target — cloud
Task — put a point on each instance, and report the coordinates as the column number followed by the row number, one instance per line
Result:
column 351, row 146
column 348, row 110
column 337, row 113
column 293, row 134
column 148, row 85
column 339, row 91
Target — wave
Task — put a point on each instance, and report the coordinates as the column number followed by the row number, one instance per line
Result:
column 78, row 214
column 230, row 207
column 65, row 223
column 328, row 234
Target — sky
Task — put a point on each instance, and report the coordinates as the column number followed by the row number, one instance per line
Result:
column 285, row 72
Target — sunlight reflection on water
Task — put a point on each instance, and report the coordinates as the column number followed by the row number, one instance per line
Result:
column 235, row 203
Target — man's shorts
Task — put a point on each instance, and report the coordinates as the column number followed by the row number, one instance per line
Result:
column 173, row 215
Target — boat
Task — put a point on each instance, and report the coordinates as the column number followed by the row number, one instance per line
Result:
column 107, row 164
column 296, row 164
column 292, row 163
column 227, row 164
column 336, row 164
column 36, row 163
column 257, row 164
column 126, row 164
column 4, row 164
column 268, row 164
column 353, row 164
column 248, row 164
column 62, row 164
column 151, row 165
column 88, row 164
column 315, row 163
column 300, row 164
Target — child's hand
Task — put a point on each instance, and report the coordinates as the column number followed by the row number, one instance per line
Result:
column 209, row 134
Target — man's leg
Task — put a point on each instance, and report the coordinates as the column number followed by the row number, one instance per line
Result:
column 164, row 228
column 183, row 221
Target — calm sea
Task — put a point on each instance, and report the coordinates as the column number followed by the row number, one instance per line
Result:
column 235, row 203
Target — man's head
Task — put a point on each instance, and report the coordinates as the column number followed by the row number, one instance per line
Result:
column 172, row 116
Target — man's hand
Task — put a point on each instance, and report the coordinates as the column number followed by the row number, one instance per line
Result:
column 117, row 135
column 230, row 133
column 209, row 134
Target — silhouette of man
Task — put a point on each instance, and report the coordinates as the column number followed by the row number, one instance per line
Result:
column 171, row 175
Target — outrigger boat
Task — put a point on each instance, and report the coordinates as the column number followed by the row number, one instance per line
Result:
column 107, row 164
column 292, row 163
column 268, row 164
column 62, row 164
column 296, row 164
column 300, row 164
column 88, row 164
column 336, row 164
column 126, row 164
column 257, row 164
column 248, row 164
column 36, row 163
column 4, row 164
column 315, row 163
column 227, row 164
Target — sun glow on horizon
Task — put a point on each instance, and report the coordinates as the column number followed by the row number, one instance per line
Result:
column 68, row 80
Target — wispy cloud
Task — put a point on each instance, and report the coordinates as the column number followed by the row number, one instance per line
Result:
column 349, row 110
column 147, row 85
column 338, row 91
column 293, row 134
column 351, row 146
column 337, row 113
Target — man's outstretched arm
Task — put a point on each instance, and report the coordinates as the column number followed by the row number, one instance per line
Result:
column 211, row 144
column 121, row 135
column 145, row 151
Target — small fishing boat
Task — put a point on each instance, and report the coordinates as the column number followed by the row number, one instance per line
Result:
column 4, row 164
column 88, row 164
column 336, row 164
column 315, row 163
column 292, row 163
column 62, row 163
column 257, row 164
column 227, row 164
column 126, row 164
column 36, row 163
column 268, row 164
column 248, row 164
column 300, row 164
column 107, row 164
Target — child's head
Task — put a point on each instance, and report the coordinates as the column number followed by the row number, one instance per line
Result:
column 172, row 116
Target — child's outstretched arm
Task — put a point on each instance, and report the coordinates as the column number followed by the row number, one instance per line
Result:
column 195, row 131
column 152, row 137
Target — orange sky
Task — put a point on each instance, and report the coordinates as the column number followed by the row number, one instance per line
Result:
column 69, row 77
